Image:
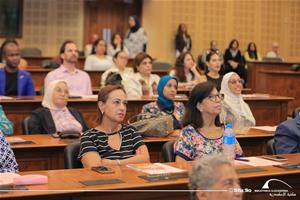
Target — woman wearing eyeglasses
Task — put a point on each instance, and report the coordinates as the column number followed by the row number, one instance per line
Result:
column 202, row 132
column 234, row 109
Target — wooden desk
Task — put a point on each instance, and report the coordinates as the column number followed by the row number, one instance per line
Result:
column 39, row 74
column 270, row 110
column 65, row 184
column 34, row 61
column 275, row 78
column 46, row 152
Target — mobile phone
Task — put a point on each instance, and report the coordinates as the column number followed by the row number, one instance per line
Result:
column 275, row 158
column 289, row 166
column 103, row 170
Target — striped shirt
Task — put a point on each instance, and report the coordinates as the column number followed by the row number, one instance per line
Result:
column 94, row 140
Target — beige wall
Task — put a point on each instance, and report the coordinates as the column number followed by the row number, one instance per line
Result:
column 261, row 21
column 47, row 23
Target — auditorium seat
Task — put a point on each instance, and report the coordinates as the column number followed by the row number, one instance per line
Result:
column 70, row 156
column 168, row 151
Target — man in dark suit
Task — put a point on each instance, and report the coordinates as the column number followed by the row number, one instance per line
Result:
column 14, row 82
column 287, row 136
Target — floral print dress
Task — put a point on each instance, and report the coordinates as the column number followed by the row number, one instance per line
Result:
column 192, row 145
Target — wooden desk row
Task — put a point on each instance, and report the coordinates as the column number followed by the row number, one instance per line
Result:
column 267, row 110
column 39, row 74
column 277, row 79
column 46, row 152
column 65, row 184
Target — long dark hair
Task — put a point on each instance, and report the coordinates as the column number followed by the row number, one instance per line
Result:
column 95, row 46
column 233, row 41
column 179, row 66
column 192, row 115
column 112, row 41
column 252, row 54
column 181, row 32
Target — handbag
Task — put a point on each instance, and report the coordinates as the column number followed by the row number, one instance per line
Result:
column 148, row 124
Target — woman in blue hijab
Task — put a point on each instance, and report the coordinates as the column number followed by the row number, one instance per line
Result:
column 167, row 89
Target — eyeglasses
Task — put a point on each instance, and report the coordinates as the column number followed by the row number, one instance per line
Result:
column 216, row 98
column 241, row 81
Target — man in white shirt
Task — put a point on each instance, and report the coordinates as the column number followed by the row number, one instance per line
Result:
column 274, row 53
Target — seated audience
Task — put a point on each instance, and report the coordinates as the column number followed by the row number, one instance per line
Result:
column 212, row 174
column 143, row 82
column 7, row 158
column 183, row 41
column 274, row 53
column 55, row 116
column 116, row 45
column 13, row 81
column 233, row 60
column 167, row 89
column 252, row 53
column 213, row 63
column 213, row 48
column 186, row 71
column 136, row 38
column 98, row 61
column 120, row 62
column 110, row 142
column 88, row 47
column 287, row 136
column 78, row 81
column 6, row 127
column 202, row 133
column 234, row 109
column 23, row 63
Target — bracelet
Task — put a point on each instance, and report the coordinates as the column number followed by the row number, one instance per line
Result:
column 119, row 163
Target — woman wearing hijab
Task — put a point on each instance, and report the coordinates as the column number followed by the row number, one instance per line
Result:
column 136, row 38
column 234, row 108
column 167, row 89
column 55, row 116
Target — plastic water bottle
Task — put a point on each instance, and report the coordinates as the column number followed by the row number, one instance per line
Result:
column 229, row 142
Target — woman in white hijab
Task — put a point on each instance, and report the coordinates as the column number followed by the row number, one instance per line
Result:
column 234, row 109
column 54, row 116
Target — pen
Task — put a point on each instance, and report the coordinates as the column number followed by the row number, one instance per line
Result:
column 242, row 159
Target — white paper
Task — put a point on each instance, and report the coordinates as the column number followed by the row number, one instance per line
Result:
column 257, row 162
column 265, row 128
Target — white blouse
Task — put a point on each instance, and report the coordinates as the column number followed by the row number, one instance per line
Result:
column 135, row 87
column 98, row 64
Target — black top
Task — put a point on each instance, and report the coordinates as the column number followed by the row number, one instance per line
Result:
column 11, row 83
column 180, row 43
column 41, row 121
column 217, row 81
column 94, row 140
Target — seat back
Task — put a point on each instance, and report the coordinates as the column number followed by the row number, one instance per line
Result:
column 161, row 65
column 27, row 52
column 70, row 156
column 25, row 126
column 168, row 151
column 296, row 112
column 271, row 147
